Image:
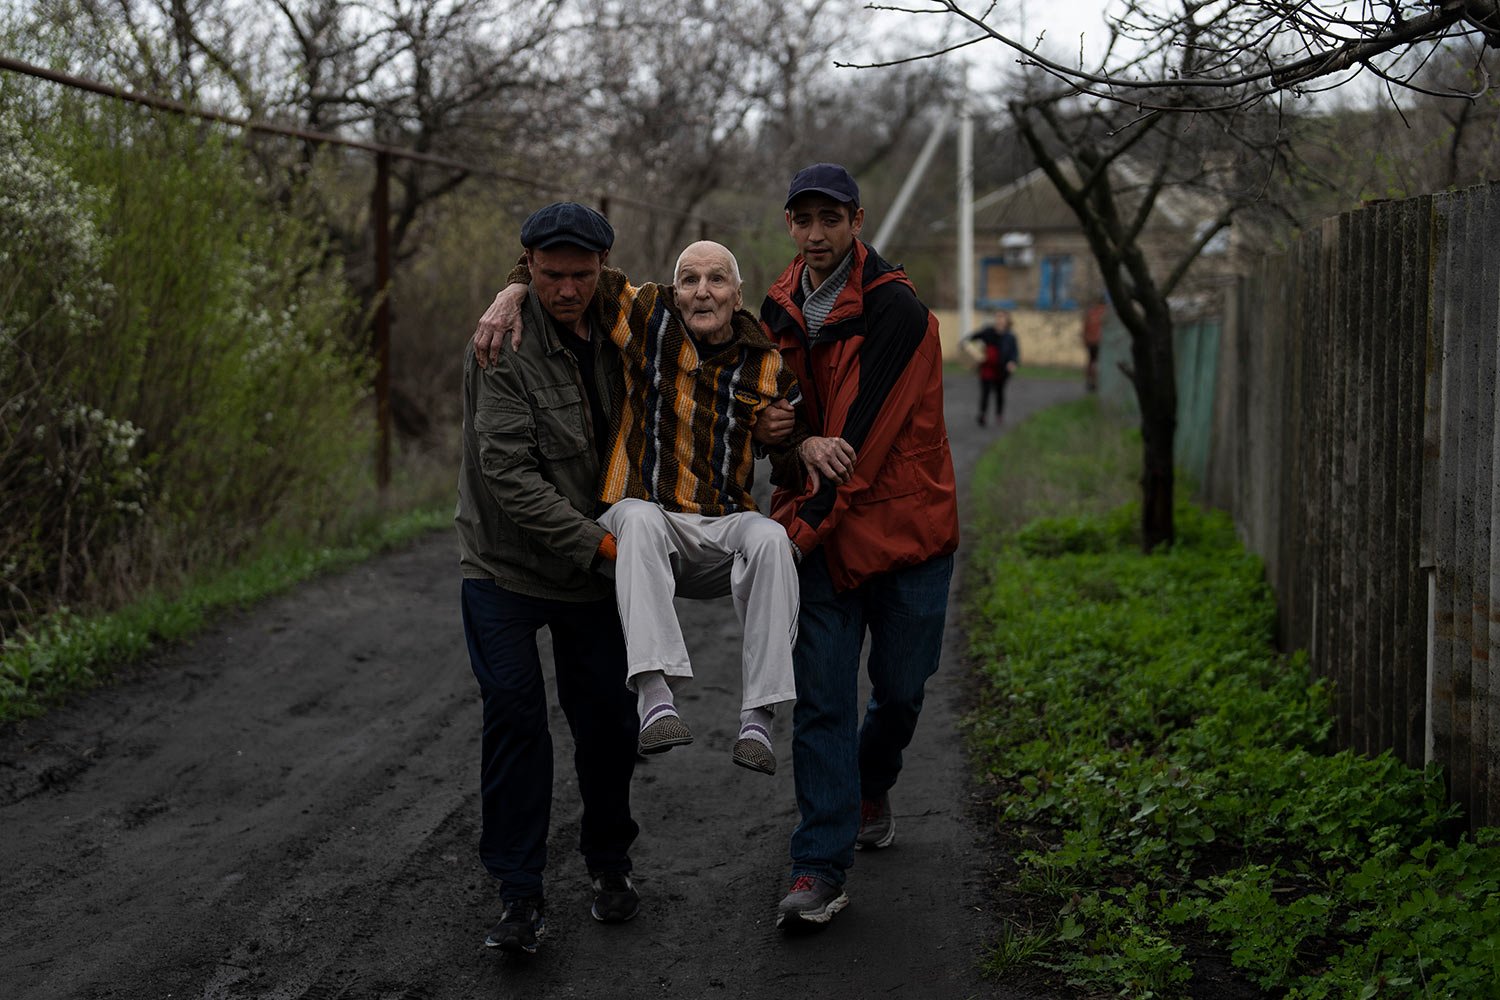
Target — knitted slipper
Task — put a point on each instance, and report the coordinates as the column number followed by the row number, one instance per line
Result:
column 755, row 755
column 663, row 733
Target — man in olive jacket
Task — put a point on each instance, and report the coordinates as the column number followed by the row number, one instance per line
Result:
column 536, row 426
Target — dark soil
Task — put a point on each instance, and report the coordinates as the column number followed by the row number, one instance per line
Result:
column 287, row 807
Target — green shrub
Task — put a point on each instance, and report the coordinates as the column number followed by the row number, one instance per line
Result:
column 1165, row 769
column 1421, row 922
column 179, row 378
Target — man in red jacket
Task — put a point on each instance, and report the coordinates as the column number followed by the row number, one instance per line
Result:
column 871, row 508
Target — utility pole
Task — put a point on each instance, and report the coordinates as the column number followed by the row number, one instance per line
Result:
column 892, row 218
column 380, row 216
column 965, row 208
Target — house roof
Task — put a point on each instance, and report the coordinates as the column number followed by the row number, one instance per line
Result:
column 1031, row 202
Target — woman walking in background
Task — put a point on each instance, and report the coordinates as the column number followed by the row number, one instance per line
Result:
column 1001, row 353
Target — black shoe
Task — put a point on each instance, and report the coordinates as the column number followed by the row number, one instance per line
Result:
column 615, row 899
column 520, row 928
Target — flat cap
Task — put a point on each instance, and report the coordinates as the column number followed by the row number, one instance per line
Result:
column 567, row 222
column 824, row 178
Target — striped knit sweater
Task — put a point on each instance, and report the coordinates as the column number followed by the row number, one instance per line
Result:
column 683, row 439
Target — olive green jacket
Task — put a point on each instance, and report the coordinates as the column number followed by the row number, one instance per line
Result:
column 530, row 472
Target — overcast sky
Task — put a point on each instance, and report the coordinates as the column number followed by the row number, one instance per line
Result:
column 1064, row 24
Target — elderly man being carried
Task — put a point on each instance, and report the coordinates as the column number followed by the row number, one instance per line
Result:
column 699, row 372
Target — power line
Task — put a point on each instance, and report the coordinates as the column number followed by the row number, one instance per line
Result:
column 294, row 132
column 379, row 203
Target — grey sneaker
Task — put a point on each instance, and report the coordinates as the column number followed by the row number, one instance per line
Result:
column 615, row 899
column 877, row 825
column 811, row 903
column 520, row 928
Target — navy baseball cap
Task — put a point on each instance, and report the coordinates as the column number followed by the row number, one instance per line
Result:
column 824, row 178
column 567, row 222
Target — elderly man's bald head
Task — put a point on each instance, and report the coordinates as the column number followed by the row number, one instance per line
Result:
column 707, row 283
column 709, row 247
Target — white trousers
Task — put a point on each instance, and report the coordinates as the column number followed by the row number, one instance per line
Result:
column 746, row 556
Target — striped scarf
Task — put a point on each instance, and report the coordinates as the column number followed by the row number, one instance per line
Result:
column 817, row 303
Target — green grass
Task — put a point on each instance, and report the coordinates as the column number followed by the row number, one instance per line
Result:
column 1064, row 460
column 1161, row 769
column 1039, row 373
column 1050, row 373
column 67, row 652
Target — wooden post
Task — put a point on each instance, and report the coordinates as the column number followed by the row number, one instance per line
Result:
column 380, row 211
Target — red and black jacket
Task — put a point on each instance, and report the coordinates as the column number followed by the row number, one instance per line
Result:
column 874, row 377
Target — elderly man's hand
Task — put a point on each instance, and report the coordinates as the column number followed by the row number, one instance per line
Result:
column 829, row 458
column 501, row 319
column 774, row 423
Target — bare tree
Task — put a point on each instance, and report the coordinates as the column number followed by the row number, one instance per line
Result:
column 471, row 80
column 1118, row 183
column 811, row 110
column 1189, row 97
column 683, row 131
column 461, row 78
column 464, row 78
column 1117, row 166
column 702, row 110
column 1451, row 143
column 1245, row 52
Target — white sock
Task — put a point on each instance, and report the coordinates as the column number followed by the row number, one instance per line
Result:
column 653, row 697
column 755, row 724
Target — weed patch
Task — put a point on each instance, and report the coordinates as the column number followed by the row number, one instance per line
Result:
column 1165, row 772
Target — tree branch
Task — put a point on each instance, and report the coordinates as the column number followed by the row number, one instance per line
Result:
column 1239, row 39
column 1189, row 256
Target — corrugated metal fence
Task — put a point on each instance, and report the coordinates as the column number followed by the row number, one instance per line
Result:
column 1353, row 437
column 1195, row 348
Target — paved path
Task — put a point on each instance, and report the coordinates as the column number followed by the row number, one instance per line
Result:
column 287, row 808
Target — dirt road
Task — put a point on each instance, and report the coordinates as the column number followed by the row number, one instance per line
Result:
column 287, row 808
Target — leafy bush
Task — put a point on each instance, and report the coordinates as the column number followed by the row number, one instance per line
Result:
column 1164, row 771
column 175, row 356
column 68, row 473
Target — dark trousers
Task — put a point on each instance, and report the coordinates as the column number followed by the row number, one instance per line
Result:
column 996, row 387
column 516, row 762
column 837, row 759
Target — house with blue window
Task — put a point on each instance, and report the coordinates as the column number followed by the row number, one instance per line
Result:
column 1029, row 252
column 1032, row 259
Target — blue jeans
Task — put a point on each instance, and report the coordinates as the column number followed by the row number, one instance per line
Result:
column 516, row 764
column 836, row 760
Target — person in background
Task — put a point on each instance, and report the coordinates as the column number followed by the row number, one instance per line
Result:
column 1092, row 334
column 1000, row 353
column 867, row 495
